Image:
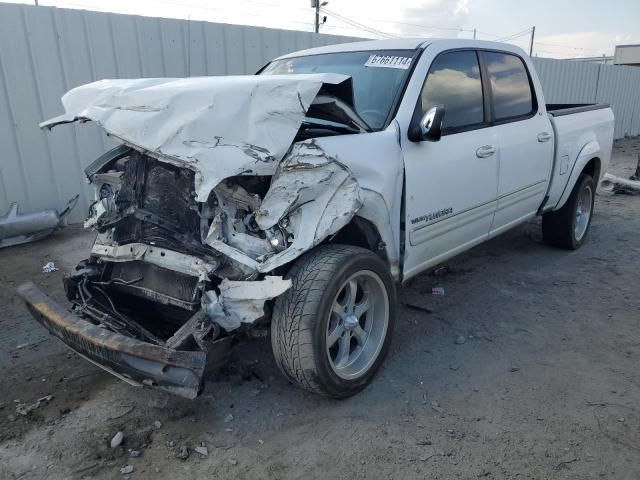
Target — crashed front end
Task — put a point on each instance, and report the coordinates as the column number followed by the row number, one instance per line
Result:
column 215, row 187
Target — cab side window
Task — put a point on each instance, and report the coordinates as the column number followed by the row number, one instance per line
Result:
column 454, row 81
column 510, row 87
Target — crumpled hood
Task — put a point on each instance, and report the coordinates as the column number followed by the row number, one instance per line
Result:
column 217, row 126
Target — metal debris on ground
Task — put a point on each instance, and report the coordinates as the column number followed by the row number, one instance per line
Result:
column 437, row 291
column 16, row 228
column 613, row 184
column 49, row 267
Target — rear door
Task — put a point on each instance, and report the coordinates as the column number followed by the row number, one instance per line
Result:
column 451, row 185
column 525, row 139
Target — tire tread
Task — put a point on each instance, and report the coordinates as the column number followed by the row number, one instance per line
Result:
column 295, row 312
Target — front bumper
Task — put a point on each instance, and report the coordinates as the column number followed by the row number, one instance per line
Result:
column 136, row 362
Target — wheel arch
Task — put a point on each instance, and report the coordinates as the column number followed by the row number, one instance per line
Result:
column 360, row 232
column 588, row 161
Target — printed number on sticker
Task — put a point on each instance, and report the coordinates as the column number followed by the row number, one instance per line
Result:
column 388, row 61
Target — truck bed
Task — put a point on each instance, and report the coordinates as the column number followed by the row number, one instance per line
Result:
column 580, row 131
column 560, row 109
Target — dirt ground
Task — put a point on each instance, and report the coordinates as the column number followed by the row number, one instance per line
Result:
column 544, row 383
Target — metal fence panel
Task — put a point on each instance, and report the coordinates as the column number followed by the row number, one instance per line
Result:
column 46, row 51
column 580, row 82
column 620, row 87
column 567, row 82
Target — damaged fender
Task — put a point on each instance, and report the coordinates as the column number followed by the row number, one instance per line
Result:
column 312, row 195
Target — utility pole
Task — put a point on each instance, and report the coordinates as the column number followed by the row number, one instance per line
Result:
column 474, row 33
column 533, row 33
column 317, row 4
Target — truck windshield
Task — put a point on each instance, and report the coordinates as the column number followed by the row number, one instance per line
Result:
column 377, row 77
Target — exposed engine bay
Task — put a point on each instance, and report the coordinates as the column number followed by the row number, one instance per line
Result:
column 194, row 236
column 152, row 256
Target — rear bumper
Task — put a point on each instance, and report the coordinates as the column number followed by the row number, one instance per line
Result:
column 136, row 362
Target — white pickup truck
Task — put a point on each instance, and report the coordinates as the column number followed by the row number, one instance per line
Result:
column 299, row 196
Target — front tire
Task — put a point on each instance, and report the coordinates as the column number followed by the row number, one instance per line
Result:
column 331, row 330
column 568, row 227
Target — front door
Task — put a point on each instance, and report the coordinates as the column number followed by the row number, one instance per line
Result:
column 451, row 184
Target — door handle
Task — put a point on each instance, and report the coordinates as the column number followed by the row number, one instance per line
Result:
column 485, row 151
column 544, row 137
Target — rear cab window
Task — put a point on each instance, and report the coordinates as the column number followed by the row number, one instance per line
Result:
column 511, row 92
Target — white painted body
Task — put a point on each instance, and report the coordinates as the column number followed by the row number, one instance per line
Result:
column 487, row 196
column 221, row 127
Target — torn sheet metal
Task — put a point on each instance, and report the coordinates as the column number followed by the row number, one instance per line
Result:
column 217, row 126
column 176, row 261
column 16, row 228
column 312, row 196
column 242, row 302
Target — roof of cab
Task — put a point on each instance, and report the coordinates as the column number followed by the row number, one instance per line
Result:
column 404, row 44
column 390, row 44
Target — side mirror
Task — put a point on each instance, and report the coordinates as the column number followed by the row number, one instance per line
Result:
column 429, row 127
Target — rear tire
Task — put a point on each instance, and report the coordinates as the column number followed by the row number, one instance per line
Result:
column 331, row 330
column 568, row 227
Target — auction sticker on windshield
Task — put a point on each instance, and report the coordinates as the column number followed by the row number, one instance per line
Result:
column 388, row 61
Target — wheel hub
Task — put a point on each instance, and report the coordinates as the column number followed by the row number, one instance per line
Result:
column 357, row 325
column 583, row 213
column 350, row 322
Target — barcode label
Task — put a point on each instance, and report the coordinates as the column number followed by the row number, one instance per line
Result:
column 388, row 61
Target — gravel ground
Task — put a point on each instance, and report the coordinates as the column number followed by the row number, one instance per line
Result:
column 527, row 367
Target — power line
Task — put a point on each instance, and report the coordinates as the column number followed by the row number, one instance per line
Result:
column 430, row 27
column 515, row 35
column 563, row 46
column 359, row 25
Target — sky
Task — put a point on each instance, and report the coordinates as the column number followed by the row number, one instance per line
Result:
column 564, row 28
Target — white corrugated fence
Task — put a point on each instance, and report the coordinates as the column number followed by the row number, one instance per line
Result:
column 46, row 51
column 564, row 81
